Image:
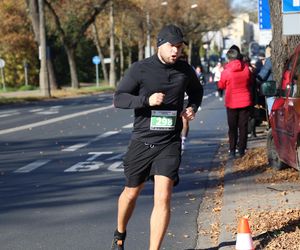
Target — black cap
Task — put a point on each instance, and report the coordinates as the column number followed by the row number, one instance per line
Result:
column 171, row 34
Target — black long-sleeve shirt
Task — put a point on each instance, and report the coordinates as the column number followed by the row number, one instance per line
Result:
column 150, row 76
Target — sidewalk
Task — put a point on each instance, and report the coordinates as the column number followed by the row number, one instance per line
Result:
column 27, row 93
column 245, row 194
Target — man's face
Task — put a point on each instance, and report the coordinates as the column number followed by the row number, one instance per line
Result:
column 169, row 53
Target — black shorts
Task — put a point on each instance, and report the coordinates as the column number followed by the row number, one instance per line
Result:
column 142, row 161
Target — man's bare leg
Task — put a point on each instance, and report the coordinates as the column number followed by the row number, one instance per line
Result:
column 160, row 216
column 126, row 205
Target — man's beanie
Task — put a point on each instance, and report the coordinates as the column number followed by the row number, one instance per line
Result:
column 171, row 34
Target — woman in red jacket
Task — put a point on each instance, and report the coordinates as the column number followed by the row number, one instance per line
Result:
column 236, row 80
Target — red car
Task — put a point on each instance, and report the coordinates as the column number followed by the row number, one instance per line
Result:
column 284, row 136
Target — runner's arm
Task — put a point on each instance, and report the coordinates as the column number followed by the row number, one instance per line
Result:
column 127, row 93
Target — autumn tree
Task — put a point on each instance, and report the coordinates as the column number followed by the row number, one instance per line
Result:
column 17, row 45
column 70, row 21
column 195, row 20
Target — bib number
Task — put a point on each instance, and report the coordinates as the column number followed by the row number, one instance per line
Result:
column 163, row 120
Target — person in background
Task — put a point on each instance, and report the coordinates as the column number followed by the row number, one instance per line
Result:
column 216, row 71
column 255, row 109
column 265, row 74
column 236, row 81
column 155, row 88
column 200, row 75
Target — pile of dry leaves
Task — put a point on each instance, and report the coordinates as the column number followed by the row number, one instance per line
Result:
column 278, row 229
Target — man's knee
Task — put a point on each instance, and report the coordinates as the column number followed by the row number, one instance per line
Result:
column 131, row 194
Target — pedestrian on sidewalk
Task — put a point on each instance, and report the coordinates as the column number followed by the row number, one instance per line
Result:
column 266, row 74
column 155, row 88
column 216, row 71
column 236, row 81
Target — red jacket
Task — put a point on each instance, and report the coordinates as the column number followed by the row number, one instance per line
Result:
column 236, row 80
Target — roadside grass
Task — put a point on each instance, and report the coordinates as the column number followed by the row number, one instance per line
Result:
column 13, row 96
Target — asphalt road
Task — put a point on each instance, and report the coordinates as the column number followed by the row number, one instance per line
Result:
column 61, row 174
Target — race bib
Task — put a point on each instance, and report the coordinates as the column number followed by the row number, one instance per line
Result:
column 163, row 119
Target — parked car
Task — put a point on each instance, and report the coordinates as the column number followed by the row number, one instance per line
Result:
column 283, row 141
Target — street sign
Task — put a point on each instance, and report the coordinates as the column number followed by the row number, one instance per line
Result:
column 107, row 60
column 264, row 15
column 2, row 63
column 290, row 6
column 96, row 60
column 288, row 24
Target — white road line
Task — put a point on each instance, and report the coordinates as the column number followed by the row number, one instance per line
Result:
column 53, row 120
column 81, row 145
column 9, row 114
column 32, row 166
column 75, row 147
column 106, row 134
column 130, row 125
column 116, row 157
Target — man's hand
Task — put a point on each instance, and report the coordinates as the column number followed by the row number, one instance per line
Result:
column 188, row 114
column 156, row 99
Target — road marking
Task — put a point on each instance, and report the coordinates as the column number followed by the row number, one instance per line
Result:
column 35, row 110
column 9, row 114
column 75, row 147
column 85, row 166
column 89, row 164
column 130, row 125
column 106, row 134
column 116, row 167
column 53, row 120
column 81, row 145
column 116, row 157
column 32, row 166
column 97, row 154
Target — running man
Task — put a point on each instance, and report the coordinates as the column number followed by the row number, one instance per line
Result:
column 155, row 88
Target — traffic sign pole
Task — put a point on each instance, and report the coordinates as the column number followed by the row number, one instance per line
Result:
column 2, row 64
column 2, row 76
column 96, row 60
column 97, row 75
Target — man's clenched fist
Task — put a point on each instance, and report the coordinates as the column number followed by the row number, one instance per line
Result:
column 156, row 99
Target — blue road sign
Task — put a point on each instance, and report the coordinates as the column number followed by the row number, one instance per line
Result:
column 96, row 60
column 264, row 15
column 290, row 6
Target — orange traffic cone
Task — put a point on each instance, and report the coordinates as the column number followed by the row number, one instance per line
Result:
column 243, row 238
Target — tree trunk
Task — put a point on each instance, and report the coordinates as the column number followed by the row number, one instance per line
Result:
column 44, row 80
column 34, row 17
column 112, row 71
column 99, row 50
column 121, row 57
column 141, row 50
column 72, row 63
column 282, row 46
column 129, row 56
column 190, row 51
column 51, row 73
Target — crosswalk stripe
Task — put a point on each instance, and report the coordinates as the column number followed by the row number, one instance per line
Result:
column 32, row 166
column 81, row 145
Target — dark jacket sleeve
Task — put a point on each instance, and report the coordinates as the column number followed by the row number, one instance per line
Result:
column 127, row 92
column 265, row 74
column 194, row 91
